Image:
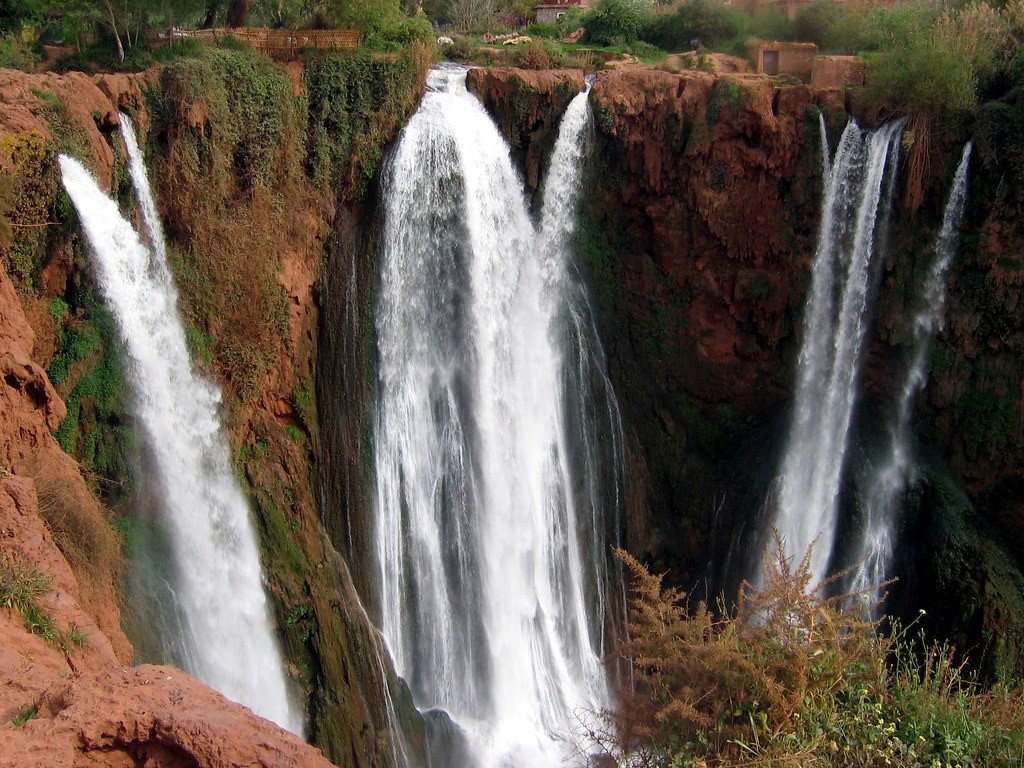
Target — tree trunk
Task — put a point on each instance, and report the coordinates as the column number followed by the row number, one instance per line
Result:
column 113, row 26
column 212, row 8
column 238, row 12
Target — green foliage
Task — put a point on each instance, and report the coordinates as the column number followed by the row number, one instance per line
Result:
column 95, row 430
column 28, row 713
column 72, row 62
column 365, row 15
column 21, row 586
column 68, row 134
column 355, row 104
column 16, row 14
column 551, row 31
column 15, row 54
column 613, row 22
column 922, row 78
column 832, row 27
column 305, row 402
column 541, row 54
column 30, row 193
column 186, row 48
column 707, row 20
column 304, row 618
column 228, row 135
column 248, row 104
column 1015, row 68
column 393, row 36
column 727, row 95
column 793, row 678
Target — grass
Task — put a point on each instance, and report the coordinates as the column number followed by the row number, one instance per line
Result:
column 28, row 713
column 21, row 586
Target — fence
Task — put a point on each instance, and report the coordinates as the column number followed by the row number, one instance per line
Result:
column 281, row 43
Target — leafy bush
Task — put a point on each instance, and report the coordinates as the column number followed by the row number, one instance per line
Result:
column 707, row 20
column 408, row 30
column 615, row 21
column 833, row 28
column 922, row 78
column 550, row 31
column 73, row 62
column 392, row 37
column 542, row 54
column 187, row 47
column 1015, row 68
column 14, row 54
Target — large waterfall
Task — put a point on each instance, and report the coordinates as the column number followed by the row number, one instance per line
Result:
column 497, row 439
column 218, row 581
column 889, row 479
column 835, row 320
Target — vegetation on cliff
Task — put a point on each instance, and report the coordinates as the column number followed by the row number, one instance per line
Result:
column 251, row 162
column 793, row 678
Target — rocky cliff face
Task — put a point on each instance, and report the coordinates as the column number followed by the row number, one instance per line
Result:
column 699, row 234
column 66, row 696
column 248, row 220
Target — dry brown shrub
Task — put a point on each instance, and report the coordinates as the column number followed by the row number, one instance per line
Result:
column 91, row 545
column 919, row 161
column 705, row 676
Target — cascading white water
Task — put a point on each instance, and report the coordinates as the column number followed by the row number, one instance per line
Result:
column 217, row 570
column 491, row 521
column 834, row 325
column 889, row 480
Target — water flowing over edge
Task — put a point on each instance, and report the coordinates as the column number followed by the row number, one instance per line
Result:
column 486, row 456
column 889, row 480
column 219, row 580
column 835, row 321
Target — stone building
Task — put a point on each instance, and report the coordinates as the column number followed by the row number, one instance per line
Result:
column 784, row 58
column 550, row 12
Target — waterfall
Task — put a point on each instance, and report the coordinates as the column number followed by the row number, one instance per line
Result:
column 497, row 439
column 889, row 480
column 835, row 320
column 219, row 583
column 826, row 156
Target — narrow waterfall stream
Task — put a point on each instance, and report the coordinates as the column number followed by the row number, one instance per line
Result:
column 218, row 580
column 835, row 321
column 498, row 443
column 889, row 480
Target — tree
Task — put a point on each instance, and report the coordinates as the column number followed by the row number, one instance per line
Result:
column 469, row 15
column 617, row 20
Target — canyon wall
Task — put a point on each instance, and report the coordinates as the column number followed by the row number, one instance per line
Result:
column 698, row 234
column 251, row 164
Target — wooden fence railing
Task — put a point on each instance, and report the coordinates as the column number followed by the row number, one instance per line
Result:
column 274, row 42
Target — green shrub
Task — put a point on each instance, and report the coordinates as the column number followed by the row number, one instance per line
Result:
column 21, row 586
column 707, row 20
column 1015, row 68
column 550, row 31
column 232, row 43
column 613, row 22
column 187, row 47
column 921, row 77
column 541, row 54
column 646, row 51
column 15, row 54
